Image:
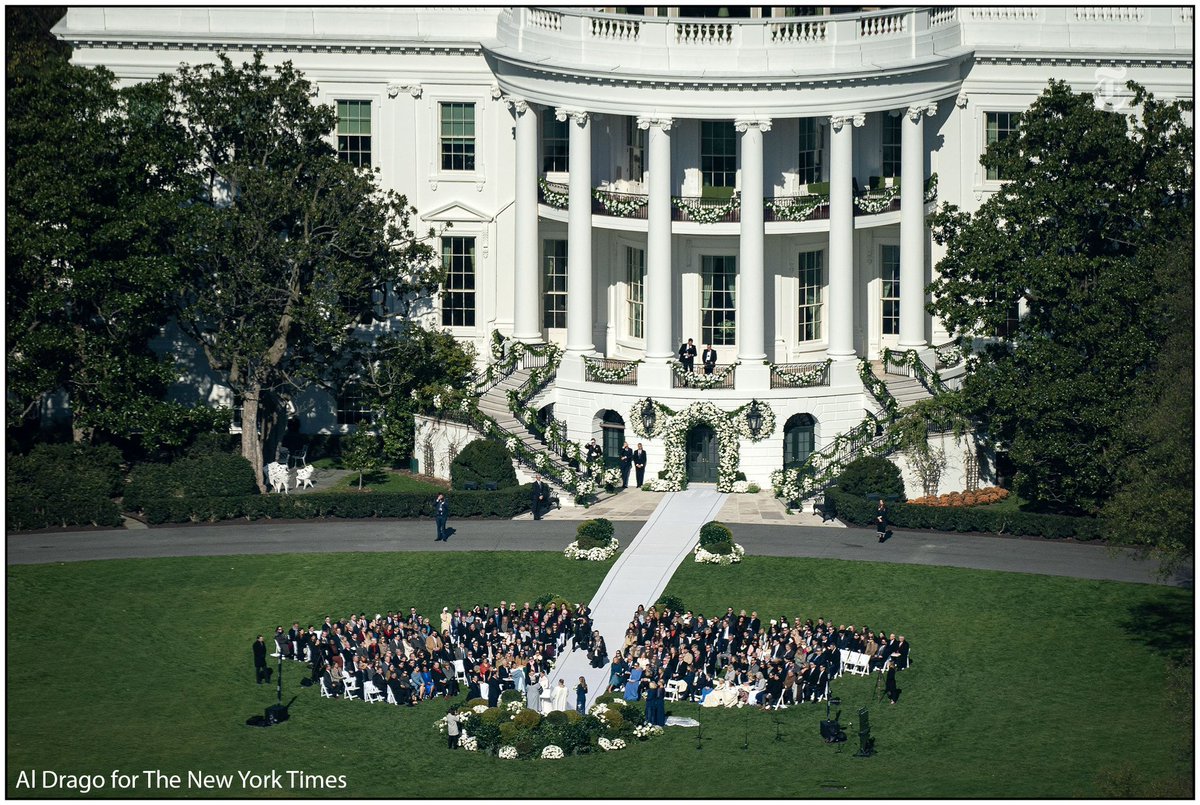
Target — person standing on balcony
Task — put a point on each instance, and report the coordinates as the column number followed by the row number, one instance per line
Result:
column 709, row 358
column 626, row 464
column 639, row 464
column 687, row 355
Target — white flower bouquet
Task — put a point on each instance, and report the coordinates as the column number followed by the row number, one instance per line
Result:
column 705, row 557
column 508, row 753
column 469, row 743
column 552, row 752
column 573, row 551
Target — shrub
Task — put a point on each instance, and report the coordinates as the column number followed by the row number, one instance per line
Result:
column 596, row 533
column 208, row 475
column 613, row 719
column 492, row 715
column 714, row 532
column 573, row 717
column 527, row 719
column 511, row 695
column 871, row 475
column 62, row 485
column 671, row 602
column 525, row 746
column 210, row 442
column 556, row 717
column 739, row 476
column 723, row 547
column 475, row 703
column 481, row 461
column 508, row 732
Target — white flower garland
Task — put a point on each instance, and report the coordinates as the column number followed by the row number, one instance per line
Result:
column 877, row 201
column 700, row 380
column 813, row 377
column 552, row 752
column 622, row 208
column 931, row 189
column 553, row 197
column 797, row 208
column 705, row 557
column 601, row 374
column 508, row 753
column 706, row 215
column 573, row 551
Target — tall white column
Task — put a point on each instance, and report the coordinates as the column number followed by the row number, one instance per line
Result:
column 659, row 348
column 579, row 233
column 912, row 226
column 750, row 336
column 841, row 236
column 526, row 276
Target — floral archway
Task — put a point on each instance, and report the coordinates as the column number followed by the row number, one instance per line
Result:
column 672, row 427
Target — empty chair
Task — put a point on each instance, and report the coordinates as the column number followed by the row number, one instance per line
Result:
column 298, row 459
column 351, row 685
column 371, row 693
column 460, row 672
column 675, row 689
column 391, row 697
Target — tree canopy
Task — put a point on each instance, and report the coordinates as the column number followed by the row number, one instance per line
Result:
column 1066, row 236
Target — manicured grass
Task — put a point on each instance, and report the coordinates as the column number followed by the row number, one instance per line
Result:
column 390, row 482
column 1022, row 685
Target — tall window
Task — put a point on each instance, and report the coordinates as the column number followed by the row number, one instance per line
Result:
column 718, row 153
column 458, row 292
column 635, row 279
column 810, row 151
column 352, row 407
column 999, row 126
column 556, row 137
column 354, row 132
column 554, row 263
column 717, row 300
column 890, row 295
column 1012, row 319
column 635, row 149
column 891, row 145
column 458, row 136
column 812, row 280
column 798, row 440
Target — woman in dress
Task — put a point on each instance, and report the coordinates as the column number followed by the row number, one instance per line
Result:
column 616, row 678
column 581, row 690
column 633, row 685
column 560, row 695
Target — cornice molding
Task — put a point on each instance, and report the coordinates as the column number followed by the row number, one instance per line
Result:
column 855, row 119
column 578, row 116
column 655, row 121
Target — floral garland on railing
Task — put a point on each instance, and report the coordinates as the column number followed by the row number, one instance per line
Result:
column 878, row 389
column 813, row 377
column 821, row 467
column 797, row 208
column 553, row 197
column 603, row 374
column 673, row 427
column 949, row 355
column 931, row 188
column 877, row 201
column 707, row 215
column 700, row 380
column 622, row 208
column 911, row 360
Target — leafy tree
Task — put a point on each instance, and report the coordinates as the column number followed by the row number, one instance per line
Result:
column 91, row 206
column 481, row 461
column 290, row 249
column 1086, row 191
column 360, row 452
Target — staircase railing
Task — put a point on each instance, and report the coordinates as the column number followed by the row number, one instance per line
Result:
column 913, row 366
column 869, row 437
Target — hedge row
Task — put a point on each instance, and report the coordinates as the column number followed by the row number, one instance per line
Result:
column 62, row 485
column 204, row 476
column 504, row 503
column 22, row 514
column 861, row 511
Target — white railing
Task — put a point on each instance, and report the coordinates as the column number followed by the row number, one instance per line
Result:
column 795, row 33
column 703, row 33
column 610, row 28
column 1109, row 14
column 887, row 25
column 1185, row 15
column 942, row 16
column 1010, row 14
column 541, row 18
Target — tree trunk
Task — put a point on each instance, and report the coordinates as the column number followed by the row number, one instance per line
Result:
column 251, row 441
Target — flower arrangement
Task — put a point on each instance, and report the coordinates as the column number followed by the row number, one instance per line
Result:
column 620, row 207
column 950, row 356
column 700, row 380
column 796, row 208
column 707, row 215
column 611, row 746
column 573, row 551
column 602, row 374
column 645, row 732
column 931, row 188
column 612, row 477
column 877, row 201
column 553, row 197
column 743, row 487
column 440, row 725
column 508, row 753
column 730, row 426
column 514, row 707
column 731, row 558
column 469, row 742
column 598, row 710
column 552, row 752
column 479, row 708
column 813, row 377
column 982, row 497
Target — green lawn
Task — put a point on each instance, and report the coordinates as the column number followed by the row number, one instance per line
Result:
column 390, row 482
column 1023, row 686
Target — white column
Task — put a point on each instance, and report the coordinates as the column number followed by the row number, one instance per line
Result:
column 912, row 226
column 751, row 298
column 579, row 233
column 841, row 236
column 658, row 308
column 526, row 276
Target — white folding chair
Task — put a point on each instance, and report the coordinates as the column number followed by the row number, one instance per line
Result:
column 371, row 693
column 460, row 672
column 351, row 684
column 673, row 689
column 325, row 692
column 391, row 698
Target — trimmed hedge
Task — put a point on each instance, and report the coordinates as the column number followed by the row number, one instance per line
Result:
column 213, row 475
column 861, row 511
column 596, row 533
column 714, row 532
column 62, row 485
column 481, row 461
column 504, row 503
column 871, row 475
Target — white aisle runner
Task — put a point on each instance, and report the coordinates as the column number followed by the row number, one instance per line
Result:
column 639, row 576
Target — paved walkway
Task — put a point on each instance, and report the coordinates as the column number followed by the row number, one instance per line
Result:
column 639, row 576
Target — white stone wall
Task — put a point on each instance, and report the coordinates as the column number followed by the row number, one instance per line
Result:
column 446, row 438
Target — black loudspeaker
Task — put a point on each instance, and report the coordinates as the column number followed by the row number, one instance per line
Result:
column 864, row 722
column 276, row 713
column 829, row 730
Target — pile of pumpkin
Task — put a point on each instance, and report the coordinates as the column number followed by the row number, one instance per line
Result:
column 981, row 497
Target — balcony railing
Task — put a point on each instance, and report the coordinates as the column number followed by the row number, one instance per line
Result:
column 611, row 370
column 799, row 375
column 722, row 377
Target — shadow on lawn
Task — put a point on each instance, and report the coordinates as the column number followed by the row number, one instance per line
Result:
column 1165, row 626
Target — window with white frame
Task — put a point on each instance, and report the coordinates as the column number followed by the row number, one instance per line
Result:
column 353, row 408
column 889, row 261
column 812, row 282
column 998, row 126
column 891, row 146
column 458, row 136
column 458, row 289
column 635, row 280
column 556, row 139
column 354, row 132
column 554, row 264
column 810, row 151
column 717, row 300
column 718, row 153
column 635, row 149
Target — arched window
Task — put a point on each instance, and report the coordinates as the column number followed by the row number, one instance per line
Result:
column 612, row 427
column 799, row 440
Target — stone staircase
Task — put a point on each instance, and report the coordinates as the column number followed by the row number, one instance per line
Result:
column 906, row 390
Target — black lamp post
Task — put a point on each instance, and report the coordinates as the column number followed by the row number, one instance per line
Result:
column 648, row 417
column 754, row 418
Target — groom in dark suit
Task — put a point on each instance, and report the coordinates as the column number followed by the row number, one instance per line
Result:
column 709, row 357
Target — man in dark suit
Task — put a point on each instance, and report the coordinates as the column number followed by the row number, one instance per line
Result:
column 639, row 464
column 441, row 513
column 709, row 358
column 626, row 464
column 687, row 355
column 591, row 454
column 261, row 672
column 539, row 497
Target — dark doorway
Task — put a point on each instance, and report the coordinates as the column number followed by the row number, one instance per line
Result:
column 613, row 430
column 702, row 455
